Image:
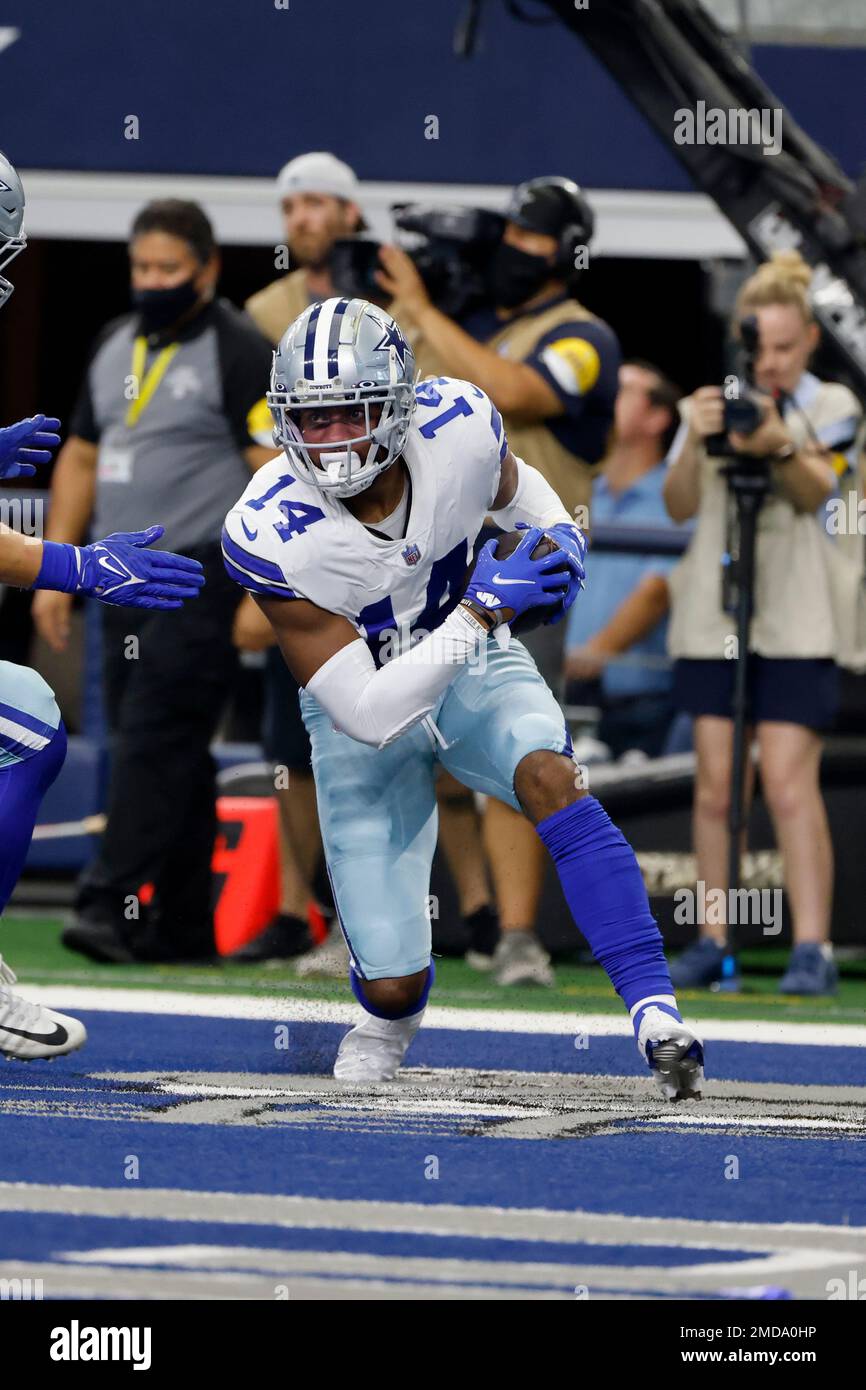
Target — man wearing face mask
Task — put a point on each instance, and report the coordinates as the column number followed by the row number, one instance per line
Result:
column 166, row 426
column 549, row 365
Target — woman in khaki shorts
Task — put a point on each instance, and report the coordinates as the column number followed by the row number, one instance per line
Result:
column 808, row 434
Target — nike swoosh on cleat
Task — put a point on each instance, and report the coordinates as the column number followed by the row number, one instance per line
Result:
column 55, row 1039
column 497, row 579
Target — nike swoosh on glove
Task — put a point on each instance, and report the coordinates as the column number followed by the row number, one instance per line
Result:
column 506, row 588
column 572, row 541
column 120, row 570
column 24, row 445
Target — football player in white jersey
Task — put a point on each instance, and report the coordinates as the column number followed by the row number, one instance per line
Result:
column 118, row 570
column 356, row 542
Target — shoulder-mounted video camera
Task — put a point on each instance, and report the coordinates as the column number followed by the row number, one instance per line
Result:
column 451, row 246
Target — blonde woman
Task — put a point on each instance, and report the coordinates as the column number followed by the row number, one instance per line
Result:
column 807, row 434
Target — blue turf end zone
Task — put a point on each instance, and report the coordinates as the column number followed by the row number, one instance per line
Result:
column 212, row 1044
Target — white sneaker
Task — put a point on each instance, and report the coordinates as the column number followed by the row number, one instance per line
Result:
column 479, row 960
column 674, row 1054
column 28, row 1031
column 374, row 1049
column 330, row 958
column 520, row 959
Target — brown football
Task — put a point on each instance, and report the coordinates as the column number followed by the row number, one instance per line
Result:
column 506, row 544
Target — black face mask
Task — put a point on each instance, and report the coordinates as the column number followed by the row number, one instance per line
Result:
column 159, row 308
column 515, row 276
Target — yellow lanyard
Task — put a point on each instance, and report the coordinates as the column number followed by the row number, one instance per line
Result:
column 149, row 383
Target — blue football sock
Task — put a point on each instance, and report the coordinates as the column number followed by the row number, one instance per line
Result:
column 355, row 981
column 604, row 889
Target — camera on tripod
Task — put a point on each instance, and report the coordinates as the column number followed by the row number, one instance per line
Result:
column 743, row 413
column 451, row 246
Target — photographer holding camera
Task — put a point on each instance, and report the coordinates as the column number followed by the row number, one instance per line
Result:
column 802, row 437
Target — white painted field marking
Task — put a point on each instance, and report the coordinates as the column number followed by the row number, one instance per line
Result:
column 757, row 1122
column 464, row 1020
column 514, row 1223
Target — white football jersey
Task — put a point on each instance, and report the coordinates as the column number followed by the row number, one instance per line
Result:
column 286, row 539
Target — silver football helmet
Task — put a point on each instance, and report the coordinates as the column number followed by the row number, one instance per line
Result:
column 343, row 352
column 12, row 238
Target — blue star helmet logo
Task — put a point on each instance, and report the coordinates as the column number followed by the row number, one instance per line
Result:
column 393, row 337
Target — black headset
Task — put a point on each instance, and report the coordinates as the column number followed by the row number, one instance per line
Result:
column 577, row 231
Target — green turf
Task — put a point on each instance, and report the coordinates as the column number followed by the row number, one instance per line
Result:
column 32, row 946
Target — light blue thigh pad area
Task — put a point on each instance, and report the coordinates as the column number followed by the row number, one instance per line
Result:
column 377, row 807
column 493, row 715
column 377, row 811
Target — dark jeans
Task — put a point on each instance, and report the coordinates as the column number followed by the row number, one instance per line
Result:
column 167, row 677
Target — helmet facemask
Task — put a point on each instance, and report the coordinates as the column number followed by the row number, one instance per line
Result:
column 8, row 251
column 337, row 467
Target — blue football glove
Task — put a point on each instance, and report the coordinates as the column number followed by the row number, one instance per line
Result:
column 573, row 542
column 507, row 588
column 120, row 571
column 24, row 445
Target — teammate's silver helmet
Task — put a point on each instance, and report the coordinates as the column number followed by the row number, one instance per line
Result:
column 343, row 352
column 12, row 239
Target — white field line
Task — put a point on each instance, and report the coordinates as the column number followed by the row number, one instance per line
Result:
column 756, row 1122
column 525, row 1223
column 138, row 1001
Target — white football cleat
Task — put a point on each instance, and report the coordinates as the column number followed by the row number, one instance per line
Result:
column 674, row 1054
column 374, row 1049
column 29, row 1031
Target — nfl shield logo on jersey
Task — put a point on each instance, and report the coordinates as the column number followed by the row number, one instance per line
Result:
column 411, row 554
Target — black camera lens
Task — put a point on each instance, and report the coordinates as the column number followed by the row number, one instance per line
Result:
column 742, row 416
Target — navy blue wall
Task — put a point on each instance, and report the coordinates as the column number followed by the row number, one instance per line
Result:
column 237, row 87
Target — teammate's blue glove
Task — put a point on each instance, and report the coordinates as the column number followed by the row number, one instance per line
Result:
column 573, row 543
column 118, row 570
column 506, row 588
column 24, row 445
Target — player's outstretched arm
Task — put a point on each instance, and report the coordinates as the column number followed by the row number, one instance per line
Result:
column 119, row 570
column 326, row 655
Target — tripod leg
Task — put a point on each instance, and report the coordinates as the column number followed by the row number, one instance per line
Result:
column 748, row 516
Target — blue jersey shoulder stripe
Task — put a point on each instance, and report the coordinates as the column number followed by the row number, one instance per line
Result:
column 499, row 431
column 251, row 564
column 254, row 585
